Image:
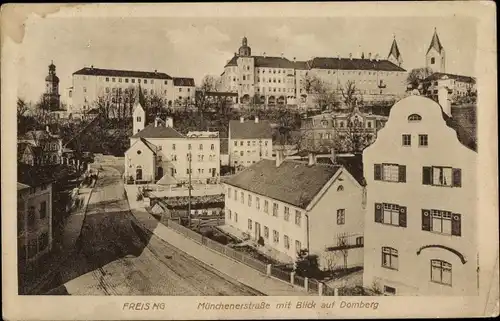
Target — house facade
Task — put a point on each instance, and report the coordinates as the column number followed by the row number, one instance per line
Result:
column 249, row 142
column 46, row 147
column 292, row 206
column 457, row 85
column 421, row 216
column 158, row 150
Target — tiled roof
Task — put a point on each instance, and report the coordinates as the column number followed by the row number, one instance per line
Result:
column 122, row 73
column 292, row 182
column 151, row 131
column 233, row 61
column 302, row 65
column 435, row 43
column 460, row 78
column 184, row 82
column 250, row 130
column 354, row 64
column 273, row 62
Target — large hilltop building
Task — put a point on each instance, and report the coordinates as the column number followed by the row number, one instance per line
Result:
column 90, row 83
column 279, row 81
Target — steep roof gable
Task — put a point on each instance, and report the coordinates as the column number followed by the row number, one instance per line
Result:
column 151, row 131
column 435, row 43
column 394, row 50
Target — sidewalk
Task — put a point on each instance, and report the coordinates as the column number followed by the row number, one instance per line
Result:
column 232, row 268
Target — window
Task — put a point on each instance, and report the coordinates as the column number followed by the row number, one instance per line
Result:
column 389, row 290
column 298, row 218
column 266, row 206
column 423, row 140
column 266, row 232
column 276, row 236
column 359, row 240
column 133, row 81
column 107, row 79
column 433, row 60
column 443, row 222
column 406, row 140
column 340, row 216
column 229, row 214
column 257, row 203
column 189, row 146
column 286, row 216
column 298, row 246
column 414, row 117
column 241, row 143
column 340, row 188
column 145, row 81
column 43, row 209
column 235, row 195
column 113, row 79
column 441, row 272
column 390, row 258
column 275, row 209
column 229, row 192
column 235, row 143
column 391, row 214
column 249, row 200
column 442, row 176
column 31, row 215
column 212, row 147
column 236, row 217
column 390, row 172
column 84, row 89
column 287, row 241
column 242, row 198
column 249, row 224
column 200, row 147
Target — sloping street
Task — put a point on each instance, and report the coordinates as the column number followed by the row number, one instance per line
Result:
column 115, row 256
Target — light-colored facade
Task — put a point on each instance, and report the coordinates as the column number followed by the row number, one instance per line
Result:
column 90, row 83
column 457, row 85
column 277, row 81
column 421, row 213
column 158, row 150
column 318, row 224
column 34, row 212
column 249, row 142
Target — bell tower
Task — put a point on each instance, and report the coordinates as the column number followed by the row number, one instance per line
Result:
column 435, row 57
column 51, row 95
column 245, row 50
column 394, row 54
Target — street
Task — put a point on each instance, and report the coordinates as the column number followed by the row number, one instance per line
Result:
column 116, row 256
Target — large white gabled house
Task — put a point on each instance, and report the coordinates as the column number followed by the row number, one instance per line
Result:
column 421, row 214
column 294, row 205
column 159, row 152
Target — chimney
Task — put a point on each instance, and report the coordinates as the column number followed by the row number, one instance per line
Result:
column 294, row 59
column 256, row 119
column 312, row 159
column 264, row 54
column 444, row 101
column 369, row 56
column 156, row 71
column 279, row 157
column 242, row 120
column 92, row 67
column 281, row 55
column 169, row 121
column 376, row 57
column 350, row 55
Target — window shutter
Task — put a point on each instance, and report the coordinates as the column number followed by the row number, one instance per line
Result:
column 402, row 173
column 378, row 172
column 456, row 224
column 457, row 177
column 426, row 175
column 378, row 212
column 402, row 216
column 426, row 220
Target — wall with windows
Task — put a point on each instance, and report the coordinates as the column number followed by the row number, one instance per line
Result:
column 285, row 224
column 140, row 162
column 421, row 202
column 246, row 152
column 338, row 214
column 34, row 210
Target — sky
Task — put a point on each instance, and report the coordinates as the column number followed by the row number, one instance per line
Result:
column 194, row 47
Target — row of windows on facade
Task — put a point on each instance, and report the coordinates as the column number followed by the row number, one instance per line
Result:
column 341, row 123
column 276, row 235
column 324, row 71
column 286, row 209
column 261, row 70
column 36, row 245
column 258, row 79
column 132, row 80
column 201, row 158
column 253, row 142
column 432, row 220
column 249, row 153
column 200, row 146
column 431, row 175
column 211, row 171
column 440, row 270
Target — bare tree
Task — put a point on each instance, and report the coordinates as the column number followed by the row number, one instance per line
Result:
column 324, row 96
column 22, row 107
column 350, row 95
column 417, row 75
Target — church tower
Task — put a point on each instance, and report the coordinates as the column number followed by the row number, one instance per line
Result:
column 435, row 57
column 394, row 54
column 245, row 50
column 139, row 114
column 51, row 95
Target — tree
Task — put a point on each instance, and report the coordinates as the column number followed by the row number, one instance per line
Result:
column 22, row 107
column 324, row 96
column 417, row 75
column 350, row 96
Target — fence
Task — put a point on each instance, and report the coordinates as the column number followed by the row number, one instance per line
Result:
column 280, row 274
column 313, row 286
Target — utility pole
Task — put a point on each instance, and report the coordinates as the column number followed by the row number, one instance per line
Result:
column 189, row 190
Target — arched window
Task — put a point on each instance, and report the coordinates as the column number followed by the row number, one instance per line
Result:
column 414, row 117
column 340, row 188
column 441, row 272
column 433, row 60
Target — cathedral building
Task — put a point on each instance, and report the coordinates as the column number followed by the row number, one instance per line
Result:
column 275, row 81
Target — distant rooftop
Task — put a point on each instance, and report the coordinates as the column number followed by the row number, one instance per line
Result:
column 91, row 71
column 249, row 129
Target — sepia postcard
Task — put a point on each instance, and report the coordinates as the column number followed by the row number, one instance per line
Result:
column 249, row 160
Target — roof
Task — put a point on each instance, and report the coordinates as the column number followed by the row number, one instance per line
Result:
column 151, row 146
column 302, row 65
column 441, row 75
column 184, row 82
column 167, row 180
column 353, row 163
column 394, row 50
column 354, row 64
column 220, row 94
column 122, row 73
column 293, row 182
column 266, row 62
column 435, row 43
column 224, row 146
column 151, row 131
column 250, row 129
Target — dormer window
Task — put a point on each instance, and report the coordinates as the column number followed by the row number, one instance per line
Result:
column 414, row 118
